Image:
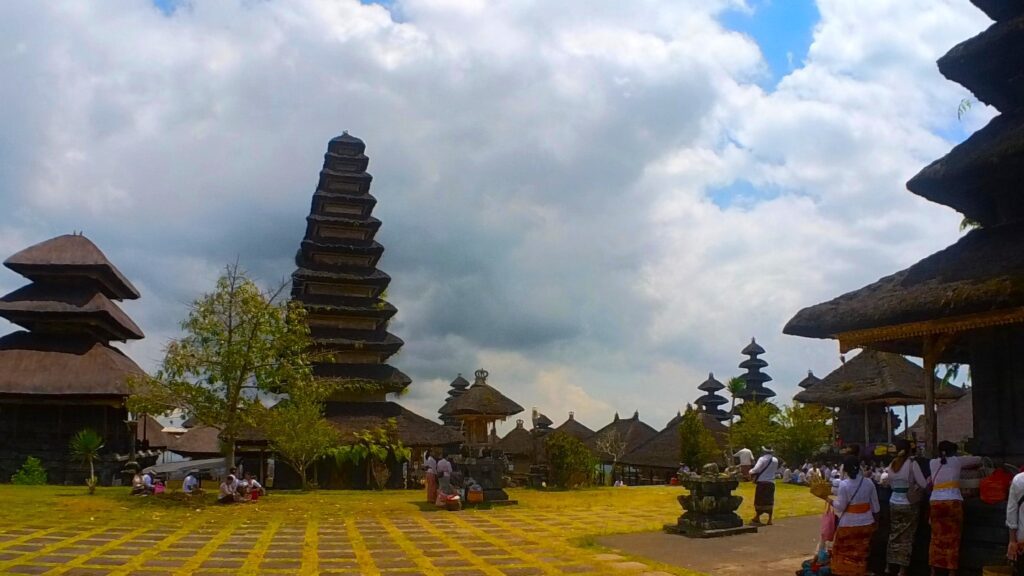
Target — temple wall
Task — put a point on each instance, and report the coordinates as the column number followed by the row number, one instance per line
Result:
column 997, row 375
column 44, row 431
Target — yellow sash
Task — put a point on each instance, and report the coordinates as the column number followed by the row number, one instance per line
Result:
column 947, row 485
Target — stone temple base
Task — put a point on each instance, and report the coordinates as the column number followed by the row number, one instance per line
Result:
column 715, row 533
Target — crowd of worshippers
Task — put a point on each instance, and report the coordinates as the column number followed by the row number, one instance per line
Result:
column 446, row 485
column 921, row 490
column 233, row 487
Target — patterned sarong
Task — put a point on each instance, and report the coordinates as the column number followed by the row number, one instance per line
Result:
column 947, row 518
column 764, row 497
column 850, row 550
column 902, row 527
column 431, row 487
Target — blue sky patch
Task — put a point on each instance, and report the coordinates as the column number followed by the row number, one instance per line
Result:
column 782, row 28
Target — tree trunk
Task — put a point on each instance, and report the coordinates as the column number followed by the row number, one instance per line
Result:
column 229, row 453
column 92, row 477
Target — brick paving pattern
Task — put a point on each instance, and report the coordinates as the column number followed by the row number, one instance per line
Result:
column 508, row 541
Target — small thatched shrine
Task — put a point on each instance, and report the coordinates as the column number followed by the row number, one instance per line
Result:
column 865, row 388
column 61, row 374
column 964, row 304
column 520, row 447
column 479, row 409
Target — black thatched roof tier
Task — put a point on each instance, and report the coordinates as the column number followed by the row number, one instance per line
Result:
column 332, row 306
column 346, row 246
column 632, row 431
column 811, row 380
column 711, row 384
column 332, row 181
column 457, row 388
column 414, row 430
column 664, row 448
column 388, row 345
column 990, row 65
column 32, row 364
column 982, row 176
column 1000, row 9
column 518, row 442
column 574, row 428
column 752, row 349
column 873, row 377
column 983, row 273
column 481, row 399
column 72, row 256
column 346, row 145
column 391, row 378
column 329, row 203
column 542, row 421
column 52, row 307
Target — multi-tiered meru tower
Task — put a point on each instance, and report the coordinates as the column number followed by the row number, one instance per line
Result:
column 339, row 285
column 755, row 391
column 338, row 282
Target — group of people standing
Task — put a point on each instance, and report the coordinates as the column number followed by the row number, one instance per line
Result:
column 915, row 483
column 438, row 478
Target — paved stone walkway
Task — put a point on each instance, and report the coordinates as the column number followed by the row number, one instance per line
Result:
column 495, row 543
column 776, row 550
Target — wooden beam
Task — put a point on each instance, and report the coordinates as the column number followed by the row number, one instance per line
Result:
column 933, row 347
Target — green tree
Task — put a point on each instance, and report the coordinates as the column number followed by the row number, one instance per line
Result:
column 31, row 473
column 697, row 443
column 295, row 428
column 570, row 463
column 376, row 447
column 804, row 430
column 735, row 386
column 86, row 446
column 758, row 425
column 240, row 341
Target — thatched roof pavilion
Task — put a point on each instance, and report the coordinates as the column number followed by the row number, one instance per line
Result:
column 965, row 303
column 518, row 442
column 663, row 449
column 63, row 374
column 625, row 433
column 865, row 386
column 574, row 428
column 413, row 430
column 873, row 377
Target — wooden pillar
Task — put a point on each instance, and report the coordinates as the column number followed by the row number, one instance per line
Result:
column 888, row 424
column 906, row 424
column 932, row 348
column 867, row 434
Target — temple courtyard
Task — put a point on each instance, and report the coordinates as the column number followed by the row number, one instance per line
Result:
column 61, row 530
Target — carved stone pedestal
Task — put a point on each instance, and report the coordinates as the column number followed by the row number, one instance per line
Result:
column 709, row 509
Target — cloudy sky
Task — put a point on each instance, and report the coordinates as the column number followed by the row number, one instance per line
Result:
column 600, row 202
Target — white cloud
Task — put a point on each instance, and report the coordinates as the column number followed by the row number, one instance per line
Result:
column 597, row 202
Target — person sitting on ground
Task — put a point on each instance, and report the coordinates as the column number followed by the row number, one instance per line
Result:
column 227, row 494
column 619, row 483
column 787, row 475
column 137, row 487
column 146, row 484
column 254, row 490
column 190, row 485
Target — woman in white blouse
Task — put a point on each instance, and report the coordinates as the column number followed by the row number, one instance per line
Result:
column 946, row 508
column 856, row 504
column 903, row 475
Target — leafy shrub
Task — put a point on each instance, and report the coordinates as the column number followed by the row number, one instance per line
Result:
column 570, row 462
column 697, row 444
column 31, row 473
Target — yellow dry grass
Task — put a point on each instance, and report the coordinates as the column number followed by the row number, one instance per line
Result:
column 372, row 532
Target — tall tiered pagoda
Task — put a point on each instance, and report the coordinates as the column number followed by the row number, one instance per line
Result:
column 755, row 391
column 339, row 285
column 964, row 304
column 61, row 374
column 457, row 388
column 711, row 403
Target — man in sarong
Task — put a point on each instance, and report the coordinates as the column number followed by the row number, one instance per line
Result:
column 763, row 475
column 430, row 469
